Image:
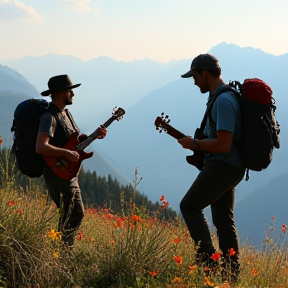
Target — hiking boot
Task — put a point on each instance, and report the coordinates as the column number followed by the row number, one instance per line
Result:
column 208, row 263
column 230, row 269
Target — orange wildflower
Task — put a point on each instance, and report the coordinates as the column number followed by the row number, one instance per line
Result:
column 208, row 282
column 109, row 216
column 153, row 273
column 283, row 229
column 177, row 240
column 132, row 226
column 231, row 252
column 164, row 204
column 54, row 235
column 225, row 285
column 56, row 254
column 192, row 268
column 18, row 211
column 178, row 259
column 176, row 280
column 11, row 203
column 162, row 198
column 135, row 217
column 118, row 223
column 216, row 256
column 255, row 272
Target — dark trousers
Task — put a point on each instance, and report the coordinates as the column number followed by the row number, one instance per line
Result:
column 67, row 197
column 215, row 186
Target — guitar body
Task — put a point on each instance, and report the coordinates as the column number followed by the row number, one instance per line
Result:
column 196, row 159
column 64, row 168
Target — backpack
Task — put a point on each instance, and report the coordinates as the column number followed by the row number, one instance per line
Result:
column 25, row 127
column 260, row 129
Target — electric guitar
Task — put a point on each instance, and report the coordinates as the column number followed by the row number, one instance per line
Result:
column 66, row 169
column 162, row 124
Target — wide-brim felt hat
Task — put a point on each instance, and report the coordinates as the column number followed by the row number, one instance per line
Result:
column 59, row 82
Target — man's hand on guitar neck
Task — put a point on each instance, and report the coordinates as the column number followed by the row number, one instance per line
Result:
column 102, row 131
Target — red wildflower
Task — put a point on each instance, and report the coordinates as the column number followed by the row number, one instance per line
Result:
column 177, row 240
column 178, row 259
column 135, row 217
column 216, row 256
column 162, row 198
column 283, row 228
column 80, row 236
column 11, row 203
column 153, row 273
column 232, row 252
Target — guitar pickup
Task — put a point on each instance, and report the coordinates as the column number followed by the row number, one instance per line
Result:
column 61, row 164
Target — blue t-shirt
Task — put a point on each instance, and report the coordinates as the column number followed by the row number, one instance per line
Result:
column 226, row 116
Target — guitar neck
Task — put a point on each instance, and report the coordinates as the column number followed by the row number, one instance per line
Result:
column 174, row 132
column 81, row 146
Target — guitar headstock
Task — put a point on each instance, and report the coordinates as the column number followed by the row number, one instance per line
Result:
column 162, row 122
column 118, row 113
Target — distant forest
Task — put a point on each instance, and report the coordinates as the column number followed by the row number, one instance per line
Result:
column 96, row 191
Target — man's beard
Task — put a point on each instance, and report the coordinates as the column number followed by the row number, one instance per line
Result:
column 68, row 102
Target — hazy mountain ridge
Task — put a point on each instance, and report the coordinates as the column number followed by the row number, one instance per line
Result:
column 134, row 142
column 106, row 83
column 14, row 89
column 11, row 80
column 258, row 209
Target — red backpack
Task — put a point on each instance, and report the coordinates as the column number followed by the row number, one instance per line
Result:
column 260, row 129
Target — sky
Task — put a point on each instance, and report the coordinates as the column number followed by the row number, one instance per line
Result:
column 126, row 30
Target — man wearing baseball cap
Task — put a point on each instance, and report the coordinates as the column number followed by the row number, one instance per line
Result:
column 55, row 129
column 222, row 170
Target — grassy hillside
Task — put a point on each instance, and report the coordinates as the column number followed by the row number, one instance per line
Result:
column 127, row 249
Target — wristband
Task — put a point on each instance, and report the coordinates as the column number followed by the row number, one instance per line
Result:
column 197, row 145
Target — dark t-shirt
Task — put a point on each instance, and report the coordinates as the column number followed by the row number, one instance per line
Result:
column 48, row 124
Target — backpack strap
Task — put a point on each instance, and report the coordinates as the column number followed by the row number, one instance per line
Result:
column 207, row 115
column 60, row 119
column 72, row 120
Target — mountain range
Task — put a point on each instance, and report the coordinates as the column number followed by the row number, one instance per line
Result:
column 147, row 88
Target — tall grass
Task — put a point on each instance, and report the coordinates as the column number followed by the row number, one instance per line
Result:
column 127, row 250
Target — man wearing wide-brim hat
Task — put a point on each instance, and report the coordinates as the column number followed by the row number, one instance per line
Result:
column 55, row 129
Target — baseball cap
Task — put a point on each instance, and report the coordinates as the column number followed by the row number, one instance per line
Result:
column 202, row 62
